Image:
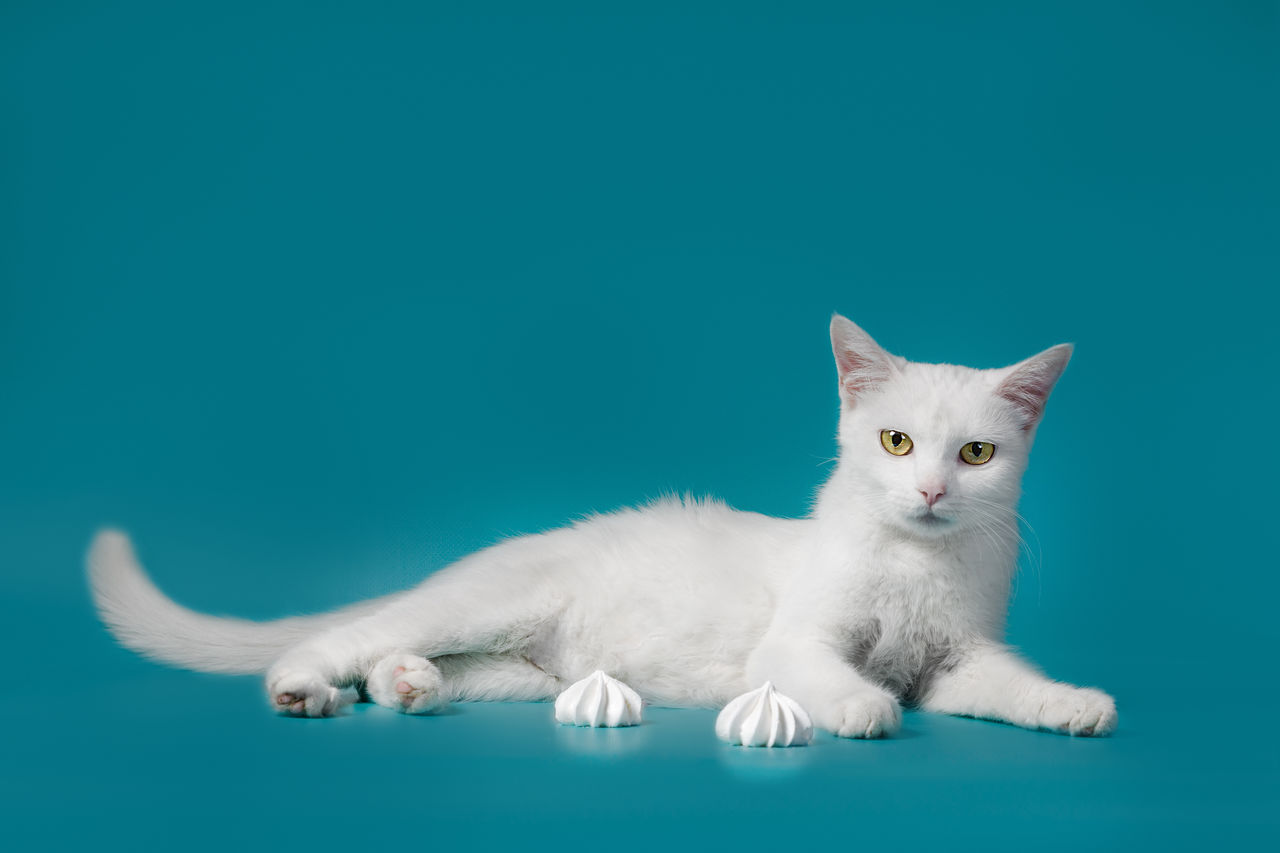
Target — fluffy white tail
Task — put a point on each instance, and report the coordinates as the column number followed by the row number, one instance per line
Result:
column 145, row 620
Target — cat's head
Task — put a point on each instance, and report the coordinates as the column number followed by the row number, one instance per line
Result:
column 934, row 449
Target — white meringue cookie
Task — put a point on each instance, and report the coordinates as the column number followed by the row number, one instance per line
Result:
column 764, row 717
column 599, row 700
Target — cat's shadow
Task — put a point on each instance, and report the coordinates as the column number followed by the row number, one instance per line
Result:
column 901, row 734
column 366, row 707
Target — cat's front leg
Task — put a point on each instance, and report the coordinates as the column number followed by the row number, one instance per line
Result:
column 991, row 682
column 836, row 696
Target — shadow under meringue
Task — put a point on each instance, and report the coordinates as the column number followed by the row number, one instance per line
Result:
column 603, row 741
column 766, row 763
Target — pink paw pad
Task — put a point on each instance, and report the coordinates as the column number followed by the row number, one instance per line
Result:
column 405, row 682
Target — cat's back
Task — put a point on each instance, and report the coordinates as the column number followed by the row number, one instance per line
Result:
column 696, row 541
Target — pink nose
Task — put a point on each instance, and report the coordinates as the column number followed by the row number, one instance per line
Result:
column 932, row 493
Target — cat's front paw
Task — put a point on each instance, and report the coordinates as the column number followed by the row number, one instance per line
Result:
column 302, row 694
column 864, row 715
column 1081, row 711
column 407, row 683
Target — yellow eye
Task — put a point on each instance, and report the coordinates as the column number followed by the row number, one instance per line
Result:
column 977, row 452
column 897, row 443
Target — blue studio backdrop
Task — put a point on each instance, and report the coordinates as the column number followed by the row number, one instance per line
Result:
column 315, row 298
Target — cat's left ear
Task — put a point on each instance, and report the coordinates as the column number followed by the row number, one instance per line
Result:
column 1027, row 384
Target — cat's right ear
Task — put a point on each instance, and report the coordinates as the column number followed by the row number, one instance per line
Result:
column 860, row 361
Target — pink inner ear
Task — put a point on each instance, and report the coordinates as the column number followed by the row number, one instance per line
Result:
column 859, row 372
column 859, row 360
column 1030, row 384
column 1028, row 397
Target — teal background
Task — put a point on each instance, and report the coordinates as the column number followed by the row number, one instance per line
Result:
column 315, row 298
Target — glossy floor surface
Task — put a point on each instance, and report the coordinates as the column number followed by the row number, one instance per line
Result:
column 163, row 759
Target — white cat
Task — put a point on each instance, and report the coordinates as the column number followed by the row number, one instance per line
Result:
column 893, row 590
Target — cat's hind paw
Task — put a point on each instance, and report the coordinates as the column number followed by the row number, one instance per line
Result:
column 303, row 694
column 407, row 683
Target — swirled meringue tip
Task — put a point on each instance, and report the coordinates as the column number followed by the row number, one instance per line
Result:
column 764, row 717
column 599, row 700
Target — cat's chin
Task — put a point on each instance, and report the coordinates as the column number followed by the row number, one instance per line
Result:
column 930, row 525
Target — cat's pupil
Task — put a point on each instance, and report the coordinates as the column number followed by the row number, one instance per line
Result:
column 976, row 448
column 896, row 438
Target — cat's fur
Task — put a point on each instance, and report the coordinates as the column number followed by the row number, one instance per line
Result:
column 893, row 590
